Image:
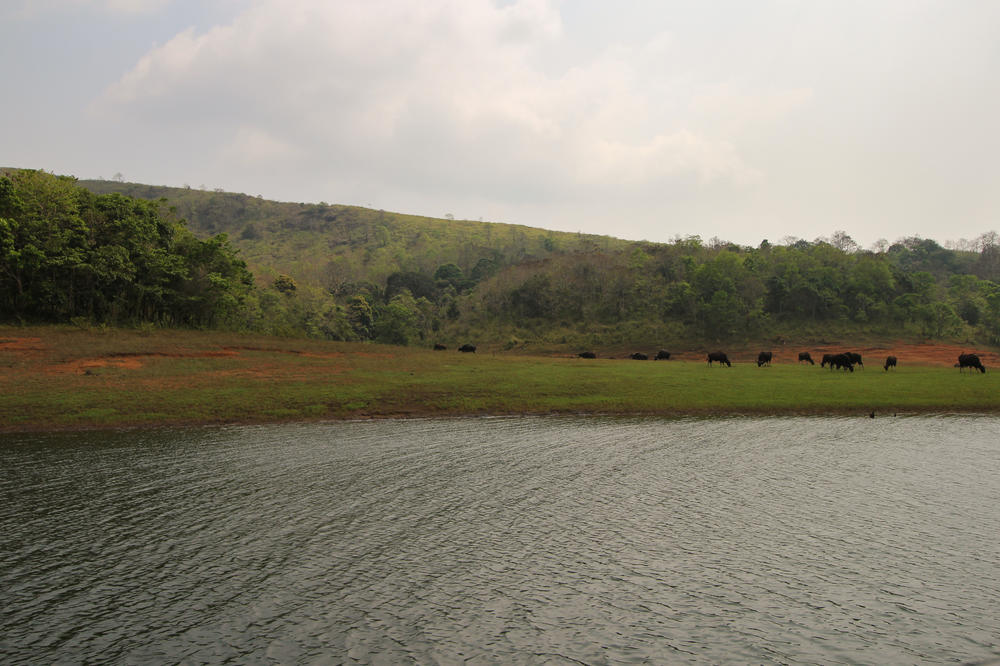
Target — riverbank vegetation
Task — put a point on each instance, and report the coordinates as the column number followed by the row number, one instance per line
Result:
column 68, row 377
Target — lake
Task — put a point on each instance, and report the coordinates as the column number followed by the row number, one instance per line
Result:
column 516, row 540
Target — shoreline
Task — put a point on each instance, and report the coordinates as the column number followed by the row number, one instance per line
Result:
column 706, row 414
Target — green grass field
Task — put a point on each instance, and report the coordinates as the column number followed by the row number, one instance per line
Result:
column 56, row 378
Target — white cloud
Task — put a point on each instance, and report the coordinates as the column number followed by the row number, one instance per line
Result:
column 254, row 145
column 435, row 95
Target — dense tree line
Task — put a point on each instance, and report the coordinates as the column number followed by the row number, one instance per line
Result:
column 726, row 292
column 689, row 291
column 66, row 253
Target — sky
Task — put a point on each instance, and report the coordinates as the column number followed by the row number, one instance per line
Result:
column 650, row 120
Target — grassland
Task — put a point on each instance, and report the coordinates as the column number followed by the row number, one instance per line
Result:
column 61, row 378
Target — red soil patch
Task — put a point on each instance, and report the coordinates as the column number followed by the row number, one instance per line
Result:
column 83, row 365
column 128, row 361
column 21, row 344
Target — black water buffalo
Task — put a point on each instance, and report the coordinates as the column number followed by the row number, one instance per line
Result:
column 439, row 347
column 662, row 355
column 467, row 348
column 890, row 362
column 587, row 355
column 764, row 358
column 840, row 362
column 855, row 359
column 639, row 356
column 827, row 358
column 720, row 357
column 804, row 356
column 970, row 361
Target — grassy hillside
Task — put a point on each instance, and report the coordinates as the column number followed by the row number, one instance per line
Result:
column 331, row 245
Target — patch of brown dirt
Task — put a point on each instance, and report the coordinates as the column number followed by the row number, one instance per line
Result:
column 84, row 365
column 21, row 344
column 204, row 354
column 126, row 361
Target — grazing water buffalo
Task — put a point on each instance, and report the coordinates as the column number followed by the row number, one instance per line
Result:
column 827, row 358
column 970, row 361
column 720, row 357
column 855, row 359
column 639, row 356
column 439, row 347
column 764, row 358
column 467, row 348
column 890, row 362
column 662, row 355
column 587, row 355
column 840, row 362
column 804, row 356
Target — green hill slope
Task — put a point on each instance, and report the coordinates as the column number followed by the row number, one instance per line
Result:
column 351, row 273
column 329, row 246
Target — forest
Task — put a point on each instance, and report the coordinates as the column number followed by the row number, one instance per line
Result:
column 131, row 254
column 69, row 255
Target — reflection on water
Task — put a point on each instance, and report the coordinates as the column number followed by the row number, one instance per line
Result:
column 516, row 540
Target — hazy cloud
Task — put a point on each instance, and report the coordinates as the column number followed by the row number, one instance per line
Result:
column 731, row 119
column 449, row 92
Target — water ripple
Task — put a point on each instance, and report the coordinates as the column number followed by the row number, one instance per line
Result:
column 521, row 540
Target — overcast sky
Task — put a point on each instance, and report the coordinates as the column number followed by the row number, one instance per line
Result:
column 643, row 120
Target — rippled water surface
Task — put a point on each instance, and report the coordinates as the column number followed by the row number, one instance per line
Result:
column 516, row 540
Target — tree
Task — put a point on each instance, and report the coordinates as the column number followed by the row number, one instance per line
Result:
column 843, row 242
column 938, row 319
column 531, row 299
column 285, row 284
column 360, row 317
column 451, row 275
column 418, row 284
column 448, row 273
column 397, row 321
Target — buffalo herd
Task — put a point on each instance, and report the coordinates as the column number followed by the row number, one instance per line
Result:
column 845, row 361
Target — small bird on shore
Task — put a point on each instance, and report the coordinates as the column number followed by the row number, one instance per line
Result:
column 872, row 415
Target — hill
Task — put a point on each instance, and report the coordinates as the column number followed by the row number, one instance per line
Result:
column 355, row 274
column 329, row 245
